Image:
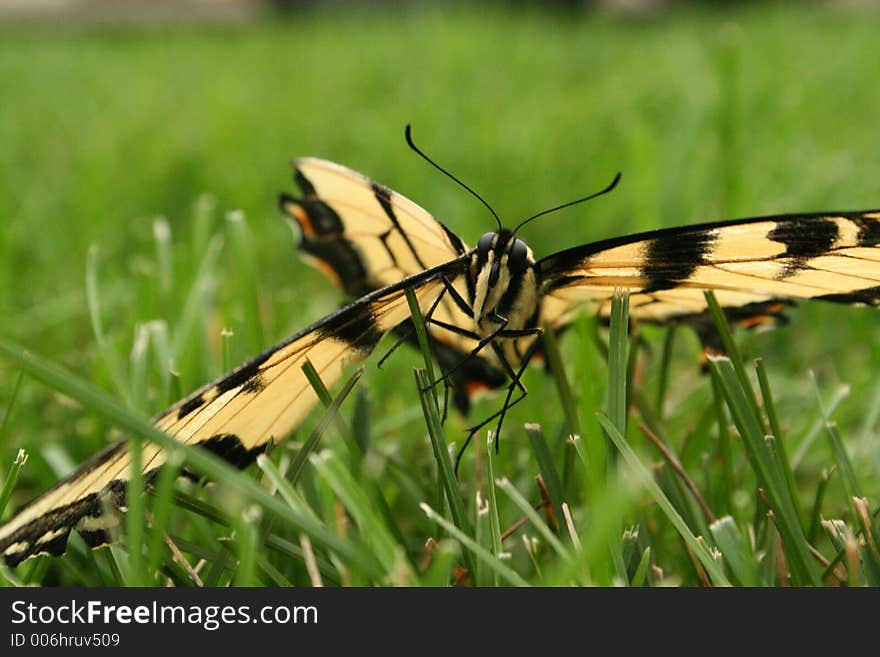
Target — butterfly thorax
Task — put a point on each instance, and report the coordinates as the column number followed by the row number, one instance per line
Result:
column 502, row 284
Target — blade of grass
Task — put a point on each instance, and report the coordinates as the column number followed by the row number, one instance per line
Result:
column 245, row 267
column 246, row 537
column 492, row 562
column 618, row 361
column 706, row 559
column 563, row 386
column 736, row 551
column 194, row 304
column 663, row 377
column 725, row 450
column 201, row 508
column 134, row 518
column 108, row 353
column 547, row 467
column 764, row 461
column 768, row 564
column 422, row 336
column 844, row 465
column 163, row 502
column 854, row 495
column 331, row 415
column 567, row 399
column 641, row 573
column 444, row 462
column 523, row 504
column 601, row 567
column 359, row 505
column 140, row 351
column 287, row 549
column 734, row 355
column 617, row 400
column 8, row 414
column 444, row 486
column 274, row 576
column 494, row 518
column 11, row 479
column 203, row 212
column 222, row 565
column 357, row 446
column 361, row 422
column 869, row 546
column 770, row 410
column 569, row 525
column 227, row 360
column 818, row 500
column 675, row 464
column 851, row 484
column 443, row 558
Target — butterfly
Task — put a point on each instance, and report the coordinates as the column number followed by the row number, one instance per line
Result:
column 486, row 307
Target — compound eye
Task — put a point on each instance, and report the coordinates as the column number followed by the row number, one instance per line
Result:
column 517, row 257
column 485, row 243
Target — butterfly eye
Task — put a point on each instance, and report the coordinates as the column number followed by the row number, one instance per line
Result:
column 485, row 243
column 517, row 256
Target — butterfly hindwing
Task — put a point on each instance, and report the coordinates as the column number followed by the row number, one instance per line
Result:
column 364, row 236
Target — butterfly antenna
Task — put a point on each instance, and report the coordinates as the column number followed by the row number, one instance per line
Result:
column 409, row 140
column 570, row 203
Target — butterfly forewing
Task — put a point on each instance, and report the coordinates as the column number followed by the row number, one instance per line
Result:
column 235, row 416
column 830, row 256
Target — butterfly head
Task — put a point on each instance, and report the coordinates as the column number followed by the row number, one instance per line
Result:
column 503, row 280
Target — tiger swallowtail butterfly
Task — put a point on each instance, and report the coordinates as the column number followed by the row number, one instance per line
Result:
column 486, row 307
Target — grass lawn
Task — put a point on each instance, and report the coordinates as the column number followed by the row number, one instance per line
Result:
column 139, row 174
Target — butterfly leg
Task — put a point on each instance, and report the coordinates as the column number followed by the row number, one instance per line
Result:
column 502, row 331
column 459, row 300
column 480, row 345
column 517, row 380
column 516, row 383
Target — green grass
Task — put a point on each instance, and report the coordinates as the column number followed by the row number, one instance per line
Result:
column 142, row 253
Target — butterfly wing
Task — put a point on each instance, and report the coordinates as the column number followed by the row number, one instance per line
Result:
column 364, row 236
column 235, row 416
column 753, row 266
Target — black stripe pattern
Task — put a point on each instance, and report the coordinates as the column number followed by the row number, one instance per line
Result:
column 671, row 259
column 804, row 241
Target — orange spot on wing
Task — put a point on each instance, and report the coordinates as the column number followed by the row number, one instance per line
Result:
column 325, row 268
column 476, row 388
column 302, row 217
column 756, row 320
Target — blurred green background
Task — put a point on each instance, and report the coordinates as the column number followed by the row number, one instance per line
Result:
column 710, row 112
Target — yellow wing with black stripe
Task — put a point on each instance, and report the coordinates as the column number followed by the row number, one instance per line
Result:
column 363, row 235
column 747, row 263
column 235, row 416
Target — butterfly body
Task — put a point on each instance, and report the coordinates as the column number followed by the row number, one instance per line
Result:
column 503, row 284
